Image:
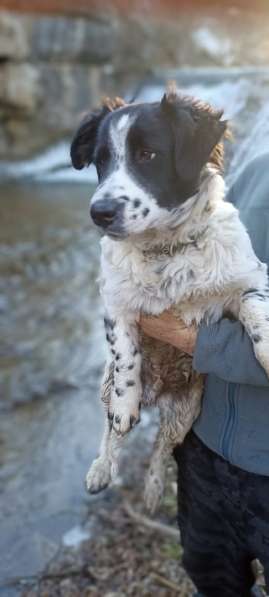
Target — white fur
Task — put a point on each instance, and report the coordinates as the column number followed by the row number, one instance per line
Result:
column 123, row 123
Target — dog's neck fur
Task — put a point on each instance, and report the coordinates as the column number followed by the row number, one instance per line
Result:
column 190, row 221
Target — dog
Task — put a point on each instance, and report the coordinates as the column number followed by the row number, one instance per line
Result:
column 170, row 240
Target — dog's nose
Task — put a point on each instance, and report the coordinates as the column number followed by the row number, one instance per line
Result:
column 103, row 212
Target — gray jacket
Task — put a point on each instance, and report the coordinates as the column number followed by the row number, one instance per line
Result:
column 234, row 421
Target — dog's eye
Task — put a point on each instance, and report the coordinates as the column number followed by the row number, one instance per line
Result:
column 145, row 155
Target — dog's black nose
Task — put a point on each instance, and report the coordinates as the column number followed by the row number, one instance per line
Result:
column 103, row 212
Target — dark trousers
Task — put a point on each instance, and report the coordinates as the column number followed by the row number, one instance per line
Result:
column 223, row 515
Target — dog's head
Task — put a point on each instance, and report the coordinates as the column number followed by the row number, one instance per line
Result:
column 149, row 158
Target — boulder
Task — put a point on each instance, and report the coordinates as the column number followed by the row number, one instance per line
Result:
column 77, row 39
column 13, row 37
column 19, row 86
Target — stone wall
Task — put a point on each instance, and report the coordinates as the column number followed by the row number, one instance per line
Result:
column 50, row 70
column 53, row 67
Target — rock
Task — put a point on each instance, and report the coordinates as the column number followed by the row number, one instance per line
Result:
column 214, row 45
column 68, row 589
column 47, row 99
column 19, row 86
column 13, row 37
column 76, row 39
column 53, row 68
column 68, row 89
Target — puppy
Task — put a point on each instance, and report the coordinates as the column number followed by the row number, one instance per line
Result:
column 170, row 241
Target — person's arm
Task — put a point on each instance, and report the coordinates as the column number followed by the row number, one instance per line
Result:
column 226, row 350
column 223, row 349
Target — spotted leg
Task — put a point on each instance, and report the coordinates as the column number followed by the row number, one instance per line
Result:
column 105, row 467
column 126, row 394
column 177, row 415
column 254, row 314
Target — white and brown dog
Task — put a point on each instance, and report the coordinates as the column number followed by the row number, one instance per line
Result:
column 170, row 240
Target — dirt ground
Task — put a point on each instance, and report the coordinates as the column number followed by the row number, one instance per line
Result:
column 128, row 552
column 124, row 556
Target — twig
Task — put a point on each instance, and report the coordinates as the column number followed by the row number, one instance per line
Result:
column 151, row 524
column 165, row 582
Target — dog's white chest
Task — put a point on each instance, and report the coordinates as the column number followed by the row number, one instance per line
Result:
column 202, row 278
column 130, row 282
column 134, row 282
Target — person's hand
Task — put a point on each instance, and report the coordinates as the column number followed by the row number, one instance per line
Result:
column 170, row 329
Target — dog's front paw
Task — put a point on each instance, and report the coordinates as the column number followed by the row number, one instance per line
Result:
column 153, row 492
column 98, row 476
column 124, row 413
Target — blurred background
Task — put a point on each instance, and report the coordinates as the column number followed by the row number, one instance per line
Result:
column 57, row 59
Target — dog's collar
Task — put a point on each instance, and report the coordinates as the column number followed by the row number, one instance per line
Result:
column 170, row 249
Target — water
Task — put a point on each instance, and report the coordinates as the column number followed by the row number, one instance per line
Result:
column 48, row 291
column 52, row 344
column 51, row 357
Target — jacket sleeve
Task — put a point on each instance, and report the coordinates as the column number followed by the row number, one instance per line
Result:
column 226, row 350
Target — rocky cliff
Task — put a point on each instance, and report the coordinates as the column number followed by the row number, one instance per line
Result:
column 53, row 67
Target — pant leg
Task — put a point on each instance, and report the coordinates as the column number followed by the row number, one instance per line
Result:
column 255, row 498
column 209, row 519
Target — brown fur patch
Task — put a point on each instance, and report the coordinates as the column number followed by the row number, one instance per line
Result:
column 113, row 103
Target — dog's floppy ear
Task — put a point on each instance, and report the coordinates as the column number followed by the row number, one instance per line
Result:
column 197, row 129
column 83, row 144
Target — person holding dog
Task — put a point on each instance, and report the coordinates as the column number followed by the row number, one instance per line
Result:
column 223, row 464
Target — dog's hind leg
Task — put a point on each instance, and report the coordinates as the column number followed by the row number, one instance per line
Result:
column 177, row 415
column 254, row 315
column 155, row 477
column 105, row 467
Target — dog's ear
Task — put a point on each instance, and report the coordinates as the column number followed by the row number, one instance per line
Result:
column 83, row 144
column 197, row 129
